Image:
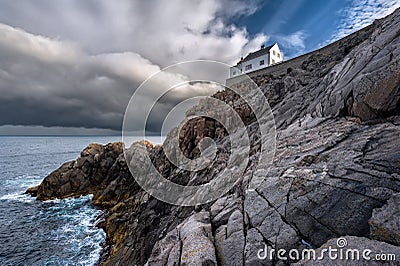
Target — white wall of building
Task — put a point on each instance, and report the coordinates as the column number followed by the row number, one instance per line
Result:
column 250, row 66
column 235, row 71
column 254, row 64
column 274, row 56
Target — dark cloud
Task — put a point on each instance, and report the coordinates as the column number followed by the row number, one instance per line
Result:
column 8, row 130
column 77, row 63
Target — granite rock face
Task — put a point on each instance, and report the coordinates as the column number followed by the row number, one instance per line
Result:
column 385, row 221
column 336, row 170
column 358, row 251
column 80, row 177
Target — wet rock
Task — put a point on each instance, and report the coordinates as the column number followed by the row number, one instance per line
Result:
column 32, row 191
column 336, row 169
column 83, row 176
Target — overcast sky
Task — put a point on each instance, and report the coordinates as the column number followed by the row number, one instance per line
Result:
column 70, row 66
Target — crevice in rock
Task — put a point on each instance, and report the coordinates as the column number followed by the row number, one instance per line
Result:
column 321, row 223
column 283, row 218
column 269, row 243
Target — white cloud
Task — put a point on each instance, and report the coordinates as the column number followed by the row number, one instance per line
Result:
column 40, row 47
column 295, row 42
column 163, row 32
column 51, row 83
column 360, row 14
column 77, row 63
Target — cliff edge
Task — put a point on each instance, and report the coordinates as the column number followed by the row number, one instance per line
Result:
column 336, row 170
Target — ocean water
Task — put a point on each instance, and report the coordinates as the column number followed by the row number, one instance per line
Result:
column 57, row 232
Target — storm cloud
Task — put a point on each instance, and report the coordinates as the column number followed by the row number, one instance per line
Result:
column 77, row 63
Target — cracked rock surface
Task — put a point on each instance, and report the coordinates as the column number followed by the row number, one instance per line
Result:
column 336, row 169
column 385, row 221
column 364, row 251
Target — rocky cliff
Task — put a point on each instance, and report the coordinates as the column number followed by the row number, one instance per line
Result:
column 336, row 170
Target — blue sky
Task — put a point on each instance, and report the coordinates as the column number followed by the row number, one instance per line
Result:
column 300, row 26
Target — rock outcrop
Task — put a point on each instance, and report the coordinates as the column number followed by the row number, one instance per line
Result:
column 358, row 251
column 385, row 221
column 83, row 176
column 336, row 170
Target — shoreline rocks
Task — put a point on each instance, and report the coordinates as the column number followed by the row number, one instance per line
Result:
column 83, row 176
column 336, row 170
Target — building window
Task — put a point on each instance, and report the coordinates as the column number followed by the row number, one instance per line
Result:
column 279, row 55
column 248, row 67
column 273, row 61
column 234, row 73
column 261, row 62
column 273, row 52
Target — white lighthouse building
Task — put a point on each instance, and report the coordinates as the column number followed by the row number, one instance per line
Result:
column 266, row 56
